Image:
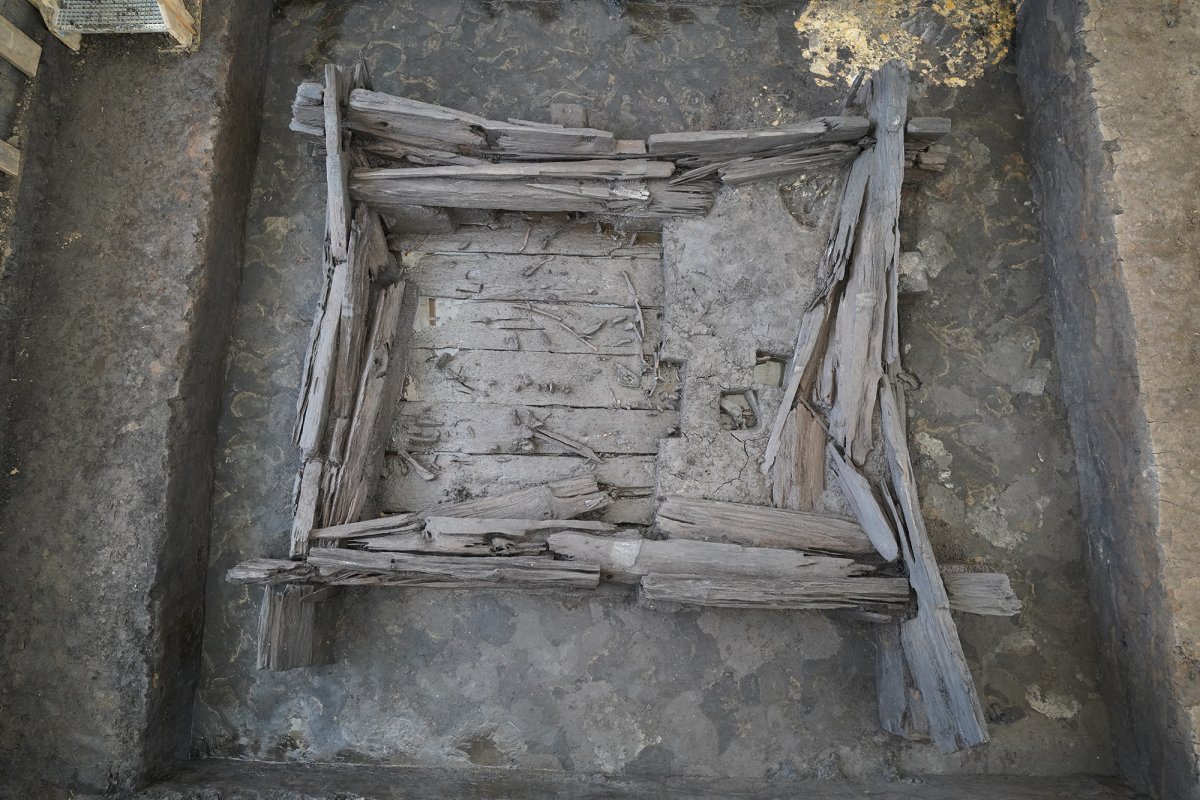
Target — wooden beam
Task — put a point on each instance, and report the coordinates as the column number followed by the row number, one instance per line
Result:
column 10, row 159
column 18, row 49
column 180, row 23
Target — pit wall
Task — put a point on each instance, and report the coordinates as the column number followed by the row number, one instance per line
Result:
column 1112, row 95
column 119, row 279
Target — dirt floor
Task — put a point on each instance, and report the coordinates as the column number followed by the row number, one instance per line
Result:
column 588, row 684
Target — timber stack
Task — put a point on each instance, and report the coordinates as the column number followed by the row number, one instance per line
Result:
column 384, row 153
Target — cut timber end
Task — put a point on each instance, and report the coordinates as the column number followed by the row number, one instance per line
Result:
column 286, row 628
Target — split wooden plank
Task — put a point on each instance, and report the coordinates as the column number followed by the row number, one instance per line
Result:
column 541, row 379
column 319, row 368
column 807, row 339
column 632, row 479
column 308, row 110
column 901, row 711
column 781, row 166
column 352, row 330
column 537, row 141
column 718, row 145
column 479, row 537
column 798, row 473
column 536, row 238
column 775, row 593
column 560, row 499
column 534, row 327
column 931, row 642
column 626, row 559
column 338, row 566
column 413, row 122
column 986, row 593
column 861, row 340
column 337, row 164
column 381, row 383
column 626, row 196
column 18, row 49
column 286, row 628
column 305, row 513
column 519, row 277
column 866, row 508
column 581, row 170
column 490, row 428
column 756, row 526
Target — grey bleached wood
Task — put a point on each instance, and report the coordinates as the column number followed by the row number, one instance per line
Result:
column 510, row 528
column 414, row 122
column 337, row 165
column 559, row 499
column 928, row 128
column 491, row 428
column 866, row 508
column 308, row 110
column 379, row 387
column 836, row 257
column 532, row 278
column 286, row 627
column 717, row 145
column 533, row 326
column 986, row 593
column 756, row 526
column 424, row 156
column 857, row 352
column 475, row 545
column 901, row 711
column 320, row 367
column 548, row 141
column 585, row 170
column 639, row 197
column 798, row 472
column 351, row 333
column 268, row 570
column 358, row 567
column 775, row 593
column 532, row 379
column 931, row 642
column 757, row 169
column 626, row 559
column 809, row 335
column 308, row 493
column 535, row 239
column 631, row 479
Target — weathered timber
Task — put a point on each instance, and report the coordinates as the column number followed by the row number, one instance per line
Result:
column 807, row 339
column 339, row 566
column 308, row 110
column 535, row 239
column 931, row 642
column 582, row 170
column 859, row 343
column 379, row 387
column 413, row 122
column 559, row 499
column 286, row 627
column 986, row 593
column 422, row 156
column 10, row 159
column 757, row 169
column 538, row 141
column 337, row 164
column 720, row 145
column 532, row 278
column 319, row 368
column 626, row 559
column 756, row 526
column 798, row 473
column 866, row 508
column 630, row 478
column 836, row 258
column 927, row 128
column 352, row 331
column 510, row 528
column 270, row 571
column 901, row 711
column 475, row 545
column 490, row 428
column 541, row 379
column 305, row 513
column 775, row 593
column 546, row 327
column 639, row 197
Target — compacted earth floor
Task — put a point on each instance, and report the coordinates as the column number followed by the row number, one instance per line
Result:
column 595, row 683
